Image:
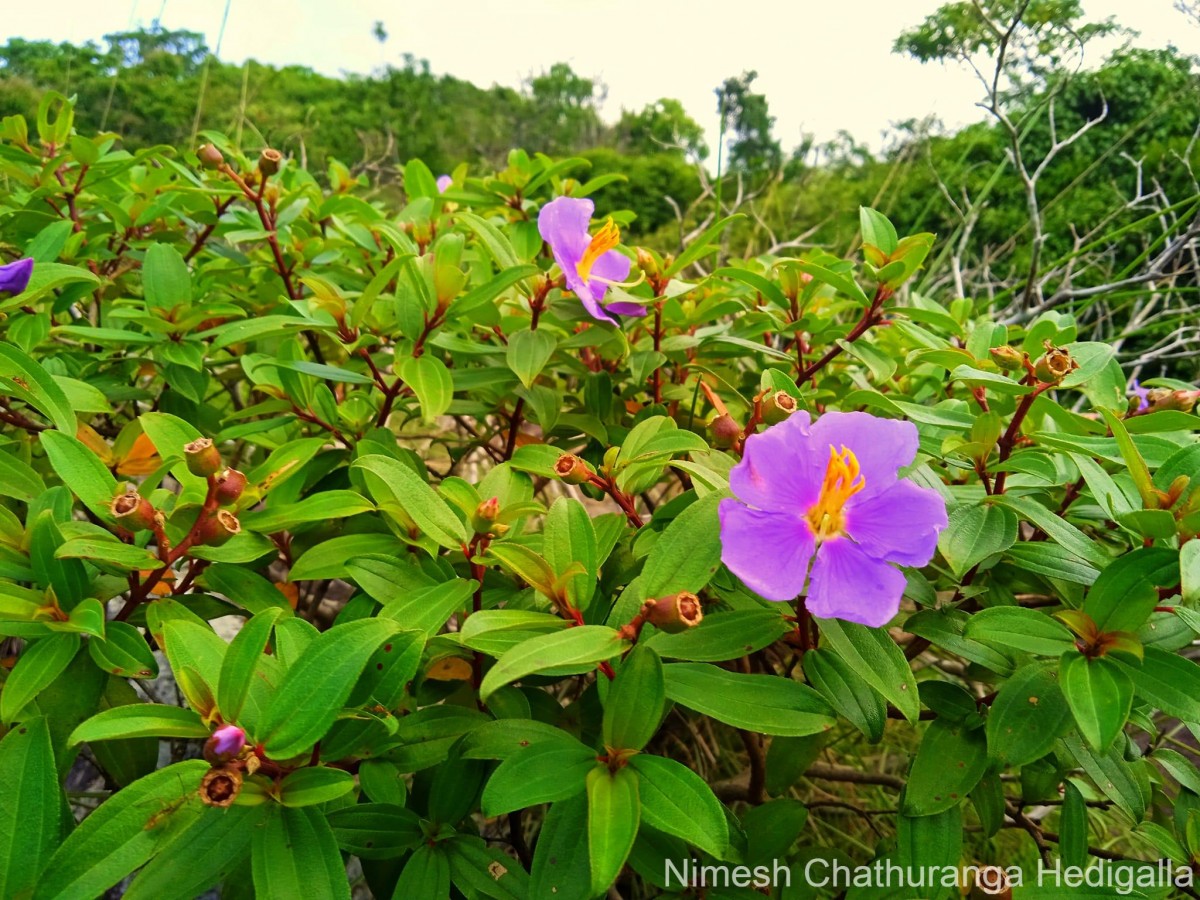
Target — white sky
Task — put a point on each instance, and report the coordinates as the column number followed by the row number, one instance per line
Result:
column 824, row 66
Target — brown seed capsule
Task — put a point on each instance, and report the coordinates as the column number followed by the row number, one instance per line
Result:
column 219, row 528
column 675, row 613
column 777, row 406
column 220, row 786
column 725, row 432
column 992, row 881
column 210, row 157
column 1054, row 365
column 573, row 470
column 269, row 161
column 1008, row 358
column 202, row 457
column 230, row 484
column 133, row 511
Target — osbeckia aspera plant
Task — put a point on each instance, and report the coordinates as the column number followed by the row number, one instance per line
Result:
column 827, row 494
column 589, row 263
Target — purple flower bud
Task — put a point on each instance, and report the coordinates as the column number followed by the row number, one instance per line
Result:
column 14, row 277
column 227, row 741
column 443, row 182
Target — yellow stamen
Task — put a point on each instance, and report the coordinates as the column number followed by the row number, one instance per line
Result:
column 842, row 481
column 604, row 240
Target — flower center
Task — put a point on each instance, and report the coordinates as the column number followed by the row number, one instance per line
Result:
column 842, row 481
column 604, row 240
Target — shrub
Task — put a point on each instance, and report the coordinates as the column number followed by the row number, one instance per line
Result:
column 501, row 526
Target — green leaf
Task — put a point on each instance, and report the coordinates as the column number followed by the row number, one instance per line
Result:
column 426, row 610
column 316, row 687
column 559, row 867
column 569, row 538
column 687, row 554
column 877, row 230
column 876, row 657
column 1134, row 463
column 613, row 816
column 949, row 763
column 1022, row 629
column 32, row 804
column 196, row 655
column 392, row 480
column 376, row 830
column 140, row 720
column 1026, row 717
column 166, row 282
column 701, row 246
column 722, row 636
column 294, row 854
column 541, row 773
column 241, row 661
column 1100, row 695
column 846, row 691
column 121, row 835
column 1168, row 682
column 425, row 875
column 1125, row 594
column 23, row 378
column 842, row 283
column 974, row 533
column 41, row 662
column 583, row 645
column 81, row 471
column 320, row 507
column 431, row 381
column 485, row 871
column 677, row 801
column 1124, row 781
column 635, row 700
column 123, row 651
column 528, row 352
column 765, row 703
column 215, row 844
column 314, row 784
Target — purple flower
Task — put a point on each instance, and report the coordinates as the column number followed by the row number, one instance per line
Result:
column 443, row 182
column 1140, row 392
column 228, row 741
column 589, row 264
column 827, row 494
column 15, row 276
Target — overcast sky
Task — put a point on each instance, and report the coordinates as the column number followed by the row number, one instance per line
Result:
column 825, row 65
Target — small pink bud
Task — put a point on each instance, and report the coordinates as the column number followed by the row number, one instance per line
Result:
column 224, row 744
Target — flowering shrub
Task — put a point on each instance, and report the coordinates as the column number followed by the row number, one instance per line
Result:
column 466, row 550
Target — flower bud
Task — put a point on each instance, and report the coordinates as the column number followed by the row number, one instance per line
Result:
column 268, row 161
column 1054, row 365
column 210, row 157
column 224, row 744
column 648, row 263
column 484, row 519
column 725, row 432
column 675, row 613
column 572, row 470
column 202, row 457
column 1159, row 399
column 777, row 406
column 1008, row 358
column 230, row 484
column 220, row 786
column 133, row 511
column 219, row 528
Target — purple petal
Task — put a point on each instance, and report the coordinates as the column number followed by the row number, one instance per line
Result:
column 14, row 277
column 779, row 470
column 586, row 294
column 563, row 224
column 881, row 445
column 228, row 740
column 623, row 308
column 899, row 525
column 443, row 182
column 769, row 551
column 610, row 267
column 849, row 585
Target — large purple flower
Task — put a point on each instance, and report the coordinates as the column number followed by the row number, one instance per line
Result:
column 589, row 264
column 827, row 494
column 14, row 277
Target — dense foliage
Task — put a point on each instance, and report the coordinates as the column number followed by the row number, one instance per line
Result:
column 469, row 537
